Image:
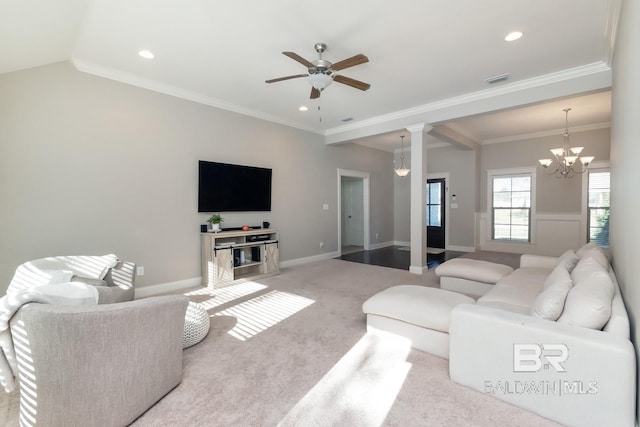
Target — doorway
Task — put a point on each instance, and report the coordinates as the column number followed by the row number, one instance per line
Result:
column 353, row 212
column 436, row 215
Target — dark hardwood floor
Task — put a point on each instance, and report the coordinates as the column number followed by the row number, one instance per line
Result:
column 392, row 256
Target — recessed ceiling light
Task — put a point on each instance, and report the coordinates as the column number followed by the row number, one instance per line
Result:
column 515, row 35
column 146, row 54
column 303, row 108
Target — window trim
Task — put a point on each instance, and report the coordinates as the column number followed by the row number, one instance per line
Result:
column 600, row 166
column 508, row 172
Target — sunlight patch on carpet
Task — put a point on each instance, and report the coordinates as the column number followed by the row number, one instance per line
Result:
column 227, row 294
column 263, row 312
column 358, row 390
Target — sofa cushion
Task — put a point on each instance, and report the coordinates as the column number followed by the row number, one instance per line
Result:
column 531, row 278
column 519, row 288
column 550, row 302
column 473, row 269
column 588, row 303
column 417, row 305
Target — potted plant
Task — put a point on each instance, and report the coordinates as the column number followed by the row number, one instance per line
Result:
column 215, row 222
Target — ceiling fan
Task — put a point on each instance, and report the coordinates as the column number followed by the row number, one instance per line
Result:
column 321, row 73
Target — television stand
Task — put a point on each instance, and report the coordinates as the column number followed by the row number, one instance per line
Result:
column 230, row 257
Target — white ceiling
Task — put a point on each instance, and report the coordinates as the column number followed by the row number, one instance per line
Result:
column 420, row 52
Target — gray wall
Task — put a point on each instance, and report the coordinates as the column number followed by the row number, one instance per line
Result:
column 461, row 166
column 625, row 151
column 93, row 166
column 553, row 195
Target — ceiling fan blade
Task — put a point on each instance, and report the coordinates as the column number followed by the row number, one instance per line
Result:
column 279, row 79
column 352, row 82
column 298, row 58
column 350, row 62
column 315, row 93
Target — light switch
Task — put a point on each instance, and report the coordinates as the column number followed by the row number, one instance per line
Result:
column 325, row 207
column 454, row 205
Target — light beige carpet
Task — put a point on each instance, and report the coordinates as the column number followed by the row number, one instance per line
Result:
column 291, row 350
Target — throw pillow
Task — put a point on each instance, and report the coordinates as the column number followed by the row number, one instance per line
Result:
column 585, row 248
column 550, row 302
column 588, row 303
column 569, row 259
column 596, row 255
column 50, row 277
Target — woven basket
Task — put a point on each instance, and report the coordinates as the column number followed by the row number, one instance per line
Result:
column 196, row 324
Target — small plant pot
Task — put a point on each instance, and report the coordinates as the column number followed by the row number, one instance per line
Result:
column 215, row 227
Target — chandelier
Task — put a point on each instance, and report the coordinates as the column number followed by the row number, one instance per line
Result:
column 567, row 161
column 402, row 170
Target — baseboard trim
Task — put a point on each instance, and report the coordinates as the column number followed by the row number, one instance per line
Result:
column 418, row 270
column 380, row 245
column 461, row 248
column 161, row 288
column 401, row 243
column 300, row 261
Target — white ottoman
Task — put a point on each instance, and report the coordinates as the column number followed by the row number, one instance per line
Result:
column 470, row 276
column 196, row 324
column 418, row 313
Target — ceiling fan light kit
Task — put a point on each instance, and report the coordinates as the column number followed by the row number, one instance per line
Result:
column 321, row 73
column 567, row 160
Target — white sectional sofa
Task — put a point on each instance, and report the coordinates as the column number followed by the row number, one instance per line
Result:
column 553, row 337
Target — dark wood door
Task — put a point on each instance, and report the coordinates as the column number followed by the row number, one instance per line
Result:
column 436, row 190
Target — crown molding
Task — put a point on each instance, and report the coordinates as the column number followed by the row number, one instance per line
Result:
column 130, row 79
column 553, row 132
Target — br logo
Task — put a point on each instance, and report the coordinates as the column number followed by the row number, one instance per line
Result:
column 533, row 357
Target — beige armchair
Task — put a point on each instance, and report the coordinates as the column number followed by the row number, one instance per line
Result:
column 97, row 365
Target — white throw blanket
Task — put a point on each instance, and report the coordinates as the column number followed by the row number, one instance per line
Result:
column 46, row 281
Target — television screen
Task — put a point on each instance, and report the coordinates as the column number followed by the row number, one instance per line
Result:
column 224, row 187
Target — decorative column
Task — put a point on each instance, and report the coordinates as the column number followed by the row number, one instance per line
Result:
column 418, row 197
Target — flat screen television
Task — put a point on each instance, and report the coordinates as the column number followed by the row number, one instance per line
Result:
column 225, row 187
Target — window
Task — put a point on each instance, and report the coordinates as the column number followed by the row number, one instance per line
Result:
column 598, row 207
column 511, row 207
column 434, row 201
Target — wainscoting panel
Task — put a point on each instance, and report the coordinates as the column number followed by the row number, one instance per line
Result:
column 553, row 234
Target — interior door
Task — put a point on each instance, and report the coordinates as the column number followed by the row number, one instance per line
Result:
column 352, row 211
column 436, row 190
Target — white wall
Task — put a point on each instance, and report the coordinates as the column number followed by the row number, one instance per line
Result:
column 558, row 223
column 93, row 166
column 461, row 167
column 625, row 150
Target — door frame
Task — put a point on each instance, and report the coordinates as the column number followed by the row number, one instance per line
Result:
column 447, row 184
column 365, row 176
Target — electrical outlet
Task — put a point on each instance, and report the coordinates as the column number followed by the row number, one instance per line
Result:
column 322, row 244
column 377, row 235
column 140, row 271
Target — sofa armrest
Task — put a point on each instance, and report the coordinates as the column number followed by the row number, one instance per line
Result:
column 105, row 364
column 493, row 351
column 538, row 261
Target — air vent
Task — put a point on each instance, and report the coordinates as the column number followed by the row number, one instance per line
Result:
column 497, row 79
column 346, row 119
